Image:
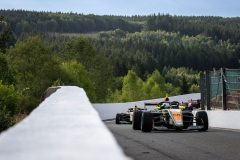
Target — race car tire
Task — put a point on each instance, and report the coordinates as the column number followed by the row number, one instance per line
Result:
column 187, row 119
column 147, row 122
column 202, row 119
column 137, row 117
column 118, row 118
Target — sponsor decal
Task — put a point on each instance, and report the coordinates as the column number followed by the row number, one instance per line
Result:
column 177, row 116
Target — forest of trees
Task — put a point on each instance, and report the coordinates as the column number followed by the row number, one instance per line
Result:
column 128, row 59
column 146, row 51
column 219, row 28
column 42, row 22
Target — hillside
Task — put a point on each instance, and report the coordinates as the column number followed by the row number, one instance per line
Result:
column 218, row 28
column 114, row 58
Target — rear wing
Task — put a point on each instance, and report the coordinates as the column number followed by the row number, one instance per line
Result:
column 192, row 103
column 135, row 109
column 150, row 104
column 173, row 104
column 194, row 100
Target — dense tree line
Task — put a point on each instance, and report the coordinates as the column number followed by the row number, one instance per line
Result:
column 172, row 81
column 41, row 22
column 186, row 79
column 31, row 66
column 135, row 89
column 7, row 37
column 143, row 52
column 218, row 28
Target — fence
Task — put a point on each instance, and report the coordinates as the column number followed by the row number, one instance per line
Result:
column 220, row 89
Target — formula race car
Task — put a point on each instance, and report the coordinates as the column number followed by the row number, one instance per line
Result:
column 190, row 104
column 127, row 116
column 169, row 116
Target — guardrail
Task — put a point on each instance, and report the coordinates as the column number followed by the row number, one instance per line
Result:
column 64, row 126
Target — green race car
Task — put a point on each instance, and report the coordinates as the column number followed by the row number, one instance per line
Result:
column 168, row 115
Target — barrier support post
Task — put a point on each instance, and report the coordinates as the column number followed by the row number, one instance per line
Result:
column 224, row 90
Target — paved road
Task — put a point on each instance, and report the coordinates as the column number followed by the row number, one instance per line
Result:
column 172, row 145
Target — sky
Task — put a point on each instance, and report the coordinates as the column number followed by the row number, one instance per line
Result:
column 225, row 8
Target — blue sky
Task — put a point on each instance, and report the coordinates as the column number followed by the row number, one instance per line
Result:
column 226, row 8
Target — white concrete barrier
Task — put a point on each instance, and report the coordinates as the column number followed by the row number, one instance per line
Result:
column 109, row 110
column 64, row 126
column 224, row 119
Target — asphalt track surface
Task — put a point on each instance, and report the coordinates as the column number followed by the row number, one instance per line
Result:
column 215, row 144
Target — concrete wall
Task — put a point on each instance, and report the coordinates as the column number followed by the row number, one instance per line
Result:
column 109, row 110
column 220, row 119
column 64, row 126
column 224, row 119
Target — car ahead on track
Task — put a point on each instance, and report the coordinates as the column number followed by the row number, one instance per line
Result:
column 190, row 104
column 127, row 116
column 169, row 116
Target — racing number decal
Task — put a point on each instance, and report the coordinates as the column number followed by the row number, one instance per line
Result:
column 177, row 117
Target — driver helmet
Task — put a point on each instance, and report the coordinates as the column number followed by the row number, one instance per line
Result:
column 166, row 98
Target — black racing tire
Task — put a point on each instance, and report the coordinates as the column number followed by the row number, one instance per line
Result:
column 118, row 118
column 187, row 119
column 202, row 119
column 137, row 117
column 147, row 122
